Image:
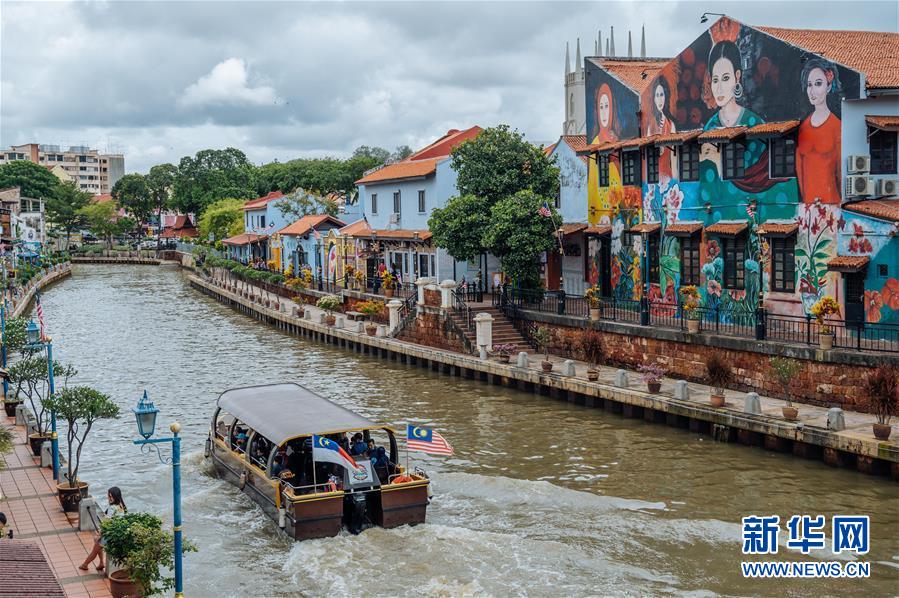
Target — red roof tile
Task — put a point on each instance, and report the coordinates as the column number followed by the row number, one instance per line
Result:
column 260, row 202
column 406, row 169
column 848, row 263
column 101, row 198
column 635, row 73
column 244, row 239
column 683, row 228
column 677, row 138
column 722, row 134
column 887, row 123
column 360, row 228
column 874, row 53
column 570, row 228
column 772, row 128
column 549, row 149
column 727, row 228
column 646, row 227
column 778, row 228
column 307, row 223
column 603, row 229
column 578, row 143
column 445, row 145
column 885, row 209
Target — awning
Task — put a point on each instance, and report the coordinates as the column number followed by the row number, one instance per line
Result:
column 884, row 209
column 884, row 123
column 571, row 228
column 677, row 138
column 773, row 129
column 396, row 235
column 281, row 412
column 723, row 134
column 598, row 231
column 638, row 142
column 646, row 227
column 683, row 229
column 848, row 263
column 244, row 239
column 603, row 148
column 778, row 229
column 731, row 229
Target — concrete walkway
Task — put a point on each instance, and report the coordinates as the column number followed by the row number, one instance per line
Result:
column 33, row 513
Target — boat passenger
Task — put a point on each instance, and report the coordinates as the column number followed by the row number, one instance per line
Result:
column 382, row 464
column 358, row 446
column 277, row 466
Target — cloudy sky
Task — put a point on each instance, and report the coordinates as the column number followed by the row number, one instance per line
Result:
column 280, row 80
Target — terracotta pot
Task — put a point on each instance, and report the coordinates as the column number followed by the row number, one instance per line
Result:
column 693, row 326
column 790, row 413
column 35, row 441
column 716, row 400
column 299, row 312
column 594, row 313
column 10, row 407
column 825, row 341
column 882, row 431
column 592, row 375
column 371, row 330
column 70, row 497
column 547, row 366
column 654, row 387
column 330, row 320
column 388, row 293
column 122, row 586
column 503, row 358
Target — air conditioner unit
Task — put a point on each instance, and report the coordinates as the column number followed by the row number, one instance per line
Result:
column 859, row 185
column 886, row 187
column 395, row 218
column 859, row 164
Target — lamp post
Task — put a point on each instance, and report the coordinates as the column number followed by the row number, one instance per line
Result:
column 34, row 342
column 145, row 414
column 3, row 353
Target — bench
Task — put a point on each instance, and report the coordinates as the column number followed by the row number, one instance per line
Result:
column 355, row 316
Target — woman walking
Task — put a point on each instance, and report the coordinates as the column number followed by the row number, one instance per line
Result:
column 116, row 507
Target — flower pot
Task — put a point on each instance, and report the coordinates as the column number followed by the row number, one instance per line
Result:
column 70, row 497
column 790, row 413
column 716, row 399
column 35, row 441
column 693, row 326
column 592, row 375
column 654, row 387
column 330, row 320
column 594, row 314
column 10, row 407
column 882, row 431
column 122, row 586
column 547, row 366
column 503, row 358
column 825, row 341
column 299, row 312
column 388, row 293
column 371, row 330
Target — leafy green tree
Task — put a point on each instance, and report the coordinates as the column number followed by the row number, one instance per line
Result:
column 15, row 334
column 379, row 154
column 64, row 208
column 517, row 234
column 400, row 153
column 131, row 192
column 102, row 220
column 222, row 219
column 212, row 175
column 303, row 203
column 160, row 181
column 460, row 226
column 32, row 179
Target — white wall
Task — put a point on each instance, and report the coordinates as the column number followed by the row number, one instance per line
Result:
column 854, row 129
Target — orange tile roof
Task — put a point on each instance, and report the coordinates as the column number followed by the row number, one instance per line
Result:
column 578, row 143
column 646, row 227
column 182, row 227
column 848, row 263
column 244, row 239
column 772, row 128
column 570, row 228
column 260, row 202
column 360, row 228
column 101, row 198
column 722, row 134
column 874, row 53
column 778, row 228
column 400, row 235
column 726, row 228
column 549, row 149
column 677, row 138
column 604, row 147
column 631, row 71
column 406, row 169
column 445, row 145
column 603, row 229
column 683, row 228
column 307, row 223
column 887, row 123
column 885, row 209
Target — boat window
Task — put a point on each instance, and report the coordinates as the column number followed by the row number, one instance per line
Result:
column 260, row 448
column 378, row 447
column 240, row 434
column 222, row 424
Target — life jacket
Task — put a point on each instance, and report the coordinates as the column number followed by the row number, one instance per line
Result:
column 401, row 479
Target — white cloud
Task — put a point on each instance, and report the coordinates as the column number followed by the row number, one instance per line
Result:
column 227, row 84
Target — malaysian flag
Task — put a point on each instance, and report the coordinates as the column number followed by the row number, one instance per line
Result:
column 426, row 440
column 545, row 211
column 40, row 313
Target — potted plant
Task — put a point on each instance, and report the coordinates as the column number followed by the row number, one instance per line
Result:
column 371, row 309
column 359, row 277
column 349, row 273
column 690, row 301
column 652, row 373
column 882, row 386
column 718, row 376
column 785, row 371
column 389, row 282
column 138, row 542
column 30, row 377
column 329, row 303
column 825, row 306
column 592, row 348
column 542, row 337
column 503, row 351
column 593, row 298
column 80, row 407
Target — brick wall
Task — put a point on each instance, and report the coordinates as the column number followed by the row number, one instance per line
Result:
column 430, row 328
column 432, row 297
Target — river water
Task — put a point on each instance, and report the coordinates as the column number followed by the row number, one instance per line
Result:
column 542, row 498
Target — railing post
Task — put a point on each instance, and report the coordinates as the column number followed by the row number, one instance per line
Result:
column 760, row 322
column 717, row 318
column 560, row 302
column 858, row 331
column 808, row 329
column 644, row 310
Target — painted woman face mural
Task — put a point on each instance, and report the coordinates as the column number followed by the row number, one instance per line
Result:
column 724, row 60
column 606, row 119
column 604, row 110
column 818, row 145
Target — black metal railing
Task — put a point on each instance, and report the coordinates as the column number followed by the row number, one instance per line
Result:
column 406, row 313
column 471, row 292
column 461, row 309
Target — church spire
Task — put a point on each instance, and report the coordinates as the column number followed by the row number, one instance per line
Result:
column 599, row 42
column 577, row 64
column 607, row 47
column 567, row 60
column 643, row 41
column 630, row 46
column 613, row 42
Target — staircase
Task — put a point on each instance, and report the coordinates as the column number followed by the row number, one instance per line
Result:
column 503, row 330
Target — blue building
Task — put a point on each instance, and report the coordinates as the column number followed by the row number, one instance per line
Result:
column 301, row 243
column 572, row 204
column 261, row 218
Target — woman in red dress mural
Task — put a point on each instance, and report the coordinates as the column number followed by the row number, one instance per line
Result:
column 818, row 146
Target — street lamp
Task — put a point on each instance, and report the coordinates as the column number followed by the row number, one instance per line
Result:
column 34, row 342
column 145, row 415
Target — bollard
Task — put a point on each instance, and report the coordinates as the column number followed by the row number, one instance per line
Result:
column 338, row 322
column 359, row 326
column 522, row 359
column 307, row 315
column 393, row 310
column 321, row 318
column 621, row 379
column 568, row 368
column 482, row 352
column 835, row 419
column 752, row 404
column 21, row 414
column 382, row 330
column 681, row 390
column 484, row 332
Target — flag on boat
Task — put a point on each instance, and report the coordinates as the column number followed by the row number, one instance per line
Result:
column 329, row 451
column 426, row 440
column 544, row 210
column 40, row 313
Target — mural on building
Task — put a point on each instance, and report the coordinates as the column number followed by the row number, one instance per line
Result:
column 876, row 239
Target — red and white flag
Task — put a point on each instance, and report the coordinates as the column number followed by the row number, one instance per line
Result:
column 40, row 313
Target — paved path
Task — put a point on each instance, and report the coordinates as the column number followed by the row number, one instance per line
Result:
column 34, row 514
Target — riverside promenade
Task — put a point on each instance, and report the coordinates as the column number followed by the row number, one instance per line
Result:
column 679, row 404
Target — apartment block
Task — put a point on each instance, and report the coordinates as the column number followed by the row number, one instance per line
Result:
column 94, row 172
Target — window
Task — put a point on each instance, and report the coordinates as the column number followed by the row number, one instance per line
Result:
column 733, row 160
column 688, row 162
column 883, row 152
column 653, row 257
column 689, row 260
column 557, row 200
column 734, row 249
column 631, row 168
column 652, row 164
column 421, row 201
column 602, row 163
column 883, row 270
column 262, row 221
column 396, row 202
column 783, row 157
column 783, row 264
column 374, row 203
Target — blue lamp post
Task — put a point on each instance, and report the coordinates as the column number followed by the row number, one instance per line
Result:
column 34, row 342
column 145, row 413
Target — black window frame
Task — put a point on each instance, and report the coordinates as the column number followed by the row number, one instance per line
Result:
column 690, row 265
column 733, row 160
column 782, row 157
column 630, row 168
column 374, row 203
column 652, row 164
column 602, row 164
column 421, row 201
column 688, row 162
column 397, row 202
column 733, row 250
column 882, row 149
column 653, row 256
column 783, row 264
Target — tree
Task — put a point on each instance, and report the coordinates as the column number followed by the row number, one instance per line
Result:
column 131, row 192
column 64, row 208
column 221, row 219
column 459, row 226
column 102, row 220
column 518, row 233
column 210, row 176
column 379, row 154
column 32, row 179
column 302, row 203
column 160, row 180
column 400, row 153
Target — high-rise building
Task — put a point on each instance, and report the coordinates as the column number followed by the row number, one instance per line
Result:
column 92, row 171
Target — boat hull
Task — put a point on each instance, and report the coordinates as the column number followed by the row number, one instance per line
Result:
column 404, row 504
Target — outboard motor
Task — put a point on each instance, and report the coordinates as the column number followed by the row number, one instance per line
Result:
column 354, row 511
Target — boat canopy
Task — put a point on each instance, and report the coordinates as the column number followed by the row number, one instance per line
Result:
column 282, row 412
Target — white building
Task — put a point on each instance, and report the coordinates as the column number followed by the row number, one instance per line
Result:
column 94, row 172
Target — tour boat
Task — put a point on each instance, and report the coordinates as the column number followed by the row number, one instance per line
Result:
column 258, row 430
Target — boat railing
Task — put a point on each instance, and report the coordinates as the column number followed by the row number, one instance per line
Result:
column 307, row 489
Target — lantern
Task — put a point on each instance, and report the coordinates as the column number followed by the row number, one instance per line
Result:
column 32, row 334
column 145, row 414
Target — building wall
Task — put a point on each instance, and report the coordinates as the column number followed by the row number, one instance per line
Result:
column 876, row 239
column 572, row 183
column 410, row 217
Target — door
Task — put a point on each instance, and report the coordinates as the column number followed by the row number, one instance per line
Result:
column 605, row 267
column 855, row 298
column 424, row 263
column 553, row 270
